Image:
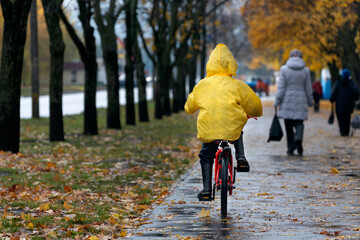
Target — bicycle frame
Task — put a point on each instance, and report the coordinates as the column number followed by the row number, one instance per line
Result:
column 224, row 151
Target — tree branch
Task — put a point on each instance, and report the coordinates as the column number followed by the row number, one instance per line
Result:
column 6, row 8
column 179, row 52
column 213, row 10
column 151, row 56
column 98, row 17
column 111, row 8
column 122, row 8
column 70, row 29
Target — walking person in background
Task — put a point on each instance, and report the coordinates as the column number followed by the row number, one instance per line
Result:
column 345, row 93
column 294, row 96
column 260, row 87
column 317, row 94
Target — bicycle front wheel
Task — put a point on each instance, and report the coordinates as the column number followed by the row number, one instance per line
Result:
column 224, row 186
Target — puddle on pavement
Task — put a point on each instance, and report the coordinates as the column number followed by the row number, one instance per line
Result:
column 186, row 210
column 194, row 180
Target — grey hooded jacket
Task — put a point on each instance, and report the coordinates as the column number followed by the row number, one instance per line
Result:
column 294, row 93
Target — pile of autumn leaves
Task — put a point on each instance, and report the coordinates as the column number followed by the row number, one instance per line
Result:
column 66, row 193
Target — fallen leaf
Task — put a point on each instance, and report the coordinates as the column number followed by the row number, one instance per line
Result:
column 123, row 234
column 30, row 225
column 112, row 220
column 204, row 213
column 44, row 207
column 5, row 211
column 67, row 188
column 67, row 206
column 334, row 170
column 51, row 165
column 263, row 194
column 52, row 234
column 13, row 188
column 80, row 192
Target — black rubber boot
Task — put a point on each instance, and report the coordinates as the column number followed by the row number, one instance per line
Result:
column 205, row 194
column 242, row 163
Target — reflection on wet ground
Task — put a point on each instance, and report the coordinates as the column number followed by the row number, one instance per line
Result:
column 315, row 196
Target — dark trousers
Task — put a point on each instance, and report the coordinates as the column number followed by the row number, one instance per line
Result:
column 316, row 101
column 294, row 132
column 344, row 123
column 208, row 151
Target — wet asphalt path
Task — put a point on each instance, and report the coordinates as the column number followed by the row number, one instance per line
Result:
column 314, row 196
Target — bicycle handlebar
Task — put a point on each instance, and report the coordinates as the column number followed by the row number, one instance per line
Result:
column 251, row 117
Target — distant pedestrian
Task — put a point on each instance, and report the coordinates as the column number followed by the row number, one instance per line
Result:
column 259, row 87
column 317, row 94
column 294, row 96
column 345, row 93
column 266, row 86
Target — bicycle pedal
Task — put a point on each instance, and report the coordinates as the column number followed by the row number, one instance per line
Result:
column 205, row 199
column 242, row 168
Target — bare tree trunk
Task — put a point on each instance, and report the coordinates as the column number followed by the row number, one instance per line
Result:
column 334, row 72
column 90, row 112
column 164, row 39
column 312, row 76
column 193, row 61
column 214, row 25
column 203, row 52
column 181, row 79
column 34, row 48
column 130, row 12
column 15, row 14
column 349, row 58
column 141, row 81
column 106, row 24
column 57, row 48
column 109, row 46
column 140, row 74
column 176, row 96
column 88, row 57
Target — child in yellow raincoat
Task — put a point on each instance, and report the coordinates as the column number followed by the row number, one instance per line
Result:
column 225, row 104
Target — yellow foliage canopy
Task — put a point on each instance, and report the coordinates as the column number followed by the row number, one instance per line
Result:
column 311, row 26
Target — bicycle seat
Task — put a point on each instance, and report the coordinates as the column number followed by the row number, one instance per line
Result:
column 224, row 141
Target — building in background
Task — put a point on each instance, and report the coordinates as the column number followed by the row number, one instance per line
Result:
column 74, row 74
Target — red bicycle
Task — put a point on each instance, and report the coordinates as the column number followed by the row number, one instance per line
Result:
column 225, row 173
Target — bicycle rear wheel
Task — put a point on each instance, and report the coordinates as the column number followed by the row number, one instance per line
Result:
column 224, row 186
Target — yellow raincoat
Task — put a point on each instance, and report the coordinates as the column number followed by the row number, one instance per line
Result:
column 224, row 101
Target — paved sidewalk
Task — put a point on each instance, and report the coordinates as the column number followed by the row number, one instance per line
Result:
column 314, row 196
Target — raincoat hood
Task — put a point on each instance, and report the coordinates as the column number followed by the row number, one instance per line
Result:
column 345, row 76
column 221, row 62
column 224, row 101
column 295, row 63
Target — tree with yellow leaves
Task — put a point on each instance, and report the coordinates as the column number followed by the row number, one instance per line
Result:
column 318, row 28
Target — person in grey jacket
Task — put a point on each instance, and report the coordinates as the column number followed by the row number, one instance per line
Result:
column 294, row 96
